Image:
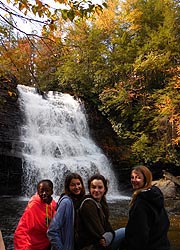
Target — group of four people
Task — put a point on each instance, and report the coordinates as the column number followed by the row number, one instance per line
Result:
column 81, row 222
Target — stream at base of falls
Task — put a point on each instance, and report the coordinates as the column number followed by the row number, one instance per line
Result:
column 11, row 209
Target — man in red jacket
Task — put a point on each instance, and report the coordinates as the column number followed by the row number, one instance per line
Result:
column 31, row 232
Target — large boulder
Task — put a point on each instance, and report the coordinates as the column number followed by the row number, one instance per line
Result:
column 167, row 187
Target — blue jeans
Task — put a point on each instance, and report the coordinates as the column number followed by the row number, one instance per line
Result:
column 118, row 239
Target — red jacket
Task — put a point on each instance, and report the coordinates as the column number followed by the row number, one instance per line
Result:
column 31, row 232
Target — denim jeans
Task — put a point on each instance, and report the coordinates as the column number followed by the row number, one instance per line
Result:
column 118, row 239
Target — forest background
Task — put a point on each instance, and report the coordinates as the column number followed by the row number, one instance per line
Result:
column 120, row 57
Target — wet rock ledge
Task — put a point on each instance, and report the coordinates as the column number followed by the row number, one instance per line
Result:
column 10, row 148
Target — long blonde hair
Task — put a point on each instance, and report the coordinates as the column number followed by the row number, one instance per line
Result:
column 147, row 181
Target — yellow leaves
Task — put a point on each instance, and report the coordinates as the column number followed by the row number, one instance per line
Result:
column 54, row 17
column 39, row 3
column 169, row 112
column 98, row 9
column 44, row 31
column 34, row 10
column 52, row 26
column 23, row 5
column 107, row 18
column 10, row 93
column 176, row 78
column 41, row 9
column 71, row 5
column 67, row 9
column 131, row 15
column 134, row 19
column 151, row 61
column 175, row 121
column 165, row 106
column 61, row 1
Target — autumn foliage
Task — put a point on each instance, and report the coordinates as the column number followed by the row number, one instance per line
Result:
column 123, row 60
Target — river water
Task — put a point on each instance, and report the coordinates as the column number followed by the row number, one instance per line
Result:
column 11, row 209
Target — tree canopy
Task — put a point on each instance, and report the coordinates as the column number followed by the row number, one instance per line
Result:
column 123, row 60
column 48, row 12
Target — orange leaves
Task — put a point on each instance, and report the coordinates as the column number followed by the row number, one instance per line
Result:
column 176, row 78
column 175, row 122
column 165, row 106
column 22, row 6
column 68, row 9
column 10, row 93
column 168, row 105
column 17, row 59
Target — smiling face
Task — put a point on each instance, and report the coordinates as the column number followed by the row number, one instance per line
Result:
column 137, row 179
column 45, row 191
column 97, row 189
column 75, row 186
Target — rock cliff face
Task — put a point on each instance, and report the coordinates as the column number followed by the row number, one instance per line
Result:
column 10, row 153
column 105, row 137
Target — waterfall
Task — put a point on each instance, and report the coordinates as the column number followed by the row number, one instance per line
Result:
column 56, row 141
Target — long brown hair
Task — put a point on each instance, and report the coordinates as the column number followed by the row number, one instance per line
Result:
column 147, row 181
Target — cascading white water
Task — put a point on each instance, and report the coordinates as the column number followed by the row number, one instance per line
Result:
column 56, row 141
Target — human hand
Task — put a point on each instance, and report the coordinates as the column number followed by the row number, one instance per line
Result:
column 102, row 242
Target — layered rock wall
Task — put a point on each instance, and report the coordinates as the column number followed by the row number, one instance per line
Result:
column 10, row 146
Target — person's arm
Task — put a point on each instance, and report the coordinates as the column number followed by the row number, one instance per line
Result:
column 21, row 234
column 55, row 230
column 137, row 229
